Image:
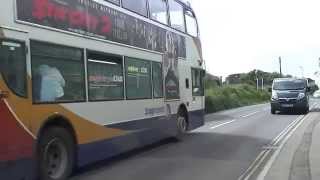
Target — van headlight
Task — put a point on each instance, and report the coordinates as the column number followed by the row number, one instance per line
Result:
column 301, row 95
column 274, row 96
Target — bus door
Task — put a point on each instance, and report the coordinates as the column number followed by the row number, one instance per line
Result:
column 185, row 82
column 198, row 76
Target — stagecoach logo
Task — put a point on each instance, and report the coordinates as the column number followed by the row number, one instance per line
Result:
column 89, row 18
column 154, row 111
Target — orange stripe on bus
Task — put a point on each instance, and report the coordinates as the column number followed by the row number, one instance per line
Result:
column 34, row 116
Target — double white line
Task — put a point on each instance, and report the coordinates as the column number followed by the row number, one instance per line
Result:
column 284, row 135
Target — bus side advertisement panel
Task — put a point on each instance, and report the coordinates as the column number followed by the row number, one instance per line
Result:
column 89, row 18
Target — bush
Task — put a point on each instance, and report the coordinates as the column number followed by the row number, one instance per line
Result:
column 222, row 98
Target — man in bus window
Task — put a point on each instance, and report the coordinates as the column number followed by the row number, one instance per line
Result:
column 52, row 83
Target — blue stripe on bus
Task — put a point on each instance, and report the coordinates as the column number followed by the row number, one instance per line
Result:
column 196, row 119
column 141, row 133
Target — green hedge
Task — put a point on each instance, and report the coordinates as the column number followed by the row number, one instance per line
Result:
column 222, row 98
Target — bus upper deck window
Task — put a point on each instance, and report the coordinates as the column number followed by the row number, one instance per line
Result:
column 158, row 11
column 191, row 23
column 176, row 15
column 138, row 6
column 13, row 66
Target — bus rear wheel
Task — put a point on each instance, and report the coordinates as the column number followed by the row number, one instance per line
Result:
column 56, row 154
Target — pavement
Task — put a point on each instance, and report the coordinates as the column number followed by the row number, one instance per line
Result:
column 239, row 144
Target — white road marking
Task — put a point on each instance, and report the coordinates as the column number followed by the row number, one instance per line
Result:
column 251, row 114
column 252, row 166
column 284, row 135
column 269, row 164
column 267, row 167
column 265, row 154
column 255, row 165
column 214, row 127
column 285, row 131
column 277, row 139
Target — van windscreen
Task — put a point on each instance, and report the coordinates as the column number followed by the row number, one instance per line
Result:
column 289, row 85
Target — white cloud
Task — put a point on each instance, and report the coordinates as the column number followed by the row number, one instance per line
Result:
column 239, row 36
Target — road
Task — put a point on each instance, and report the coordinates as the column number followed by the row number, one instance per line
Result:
column 223, row 149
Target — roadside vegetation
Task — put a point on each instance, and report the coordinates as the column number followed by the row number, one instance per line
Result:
column 238, row 90
column 232, row 96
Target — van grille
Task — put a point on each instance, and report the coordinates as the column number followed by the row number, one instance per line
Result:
column 288, row 95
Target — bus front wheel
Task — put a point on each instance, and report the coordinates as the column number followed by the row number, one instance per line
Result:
column 56, row 154
column 182, row 124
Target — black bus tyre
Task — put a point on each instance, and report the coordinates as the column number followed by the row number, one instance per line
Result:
column 273, row 111
column 56, row 154
column 182, row 125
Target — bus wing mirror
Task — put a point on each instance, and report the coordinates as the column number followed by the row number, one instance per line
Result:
column 270, row 89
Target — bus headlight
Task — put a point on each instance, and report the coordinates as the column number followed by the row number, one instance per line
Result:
column 301, row 95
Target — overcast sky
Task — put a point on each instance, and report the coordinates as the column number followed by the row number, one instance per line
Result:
column 241, row 35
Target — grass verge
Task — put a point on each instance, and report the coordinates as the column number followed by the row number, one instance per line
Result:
column 227, row 97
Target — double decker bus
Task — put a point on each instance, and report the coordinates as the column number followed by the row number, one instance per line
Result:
column 85, row 80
